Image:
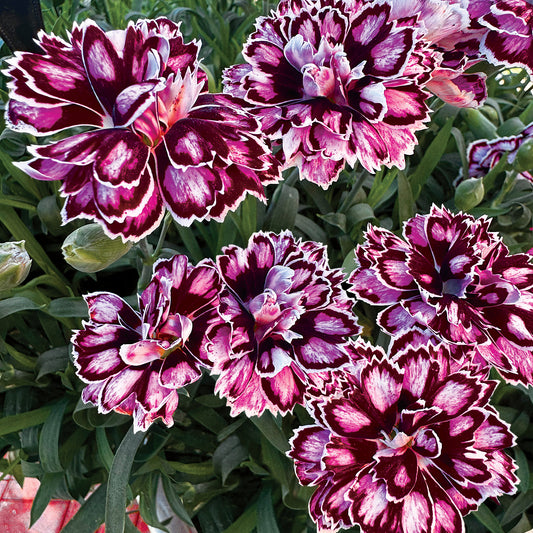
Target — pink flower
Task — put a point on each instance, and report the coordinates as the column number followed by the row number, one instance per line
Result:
column 404, row 446
column 484, row 154
column 133, row 361
column 509, row 40
column 287, row 317
column 154, row 138
column 452, row 276
column 330, row 82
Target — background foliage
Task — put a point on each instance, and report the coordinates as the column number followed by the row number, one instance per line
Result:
column 219, row 474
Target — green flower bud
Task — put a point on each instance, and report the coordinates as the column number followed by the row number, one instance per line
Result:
column 524, row 157
column 15, row 264
column 469, row 193
column 479, row 124
column 89, row 249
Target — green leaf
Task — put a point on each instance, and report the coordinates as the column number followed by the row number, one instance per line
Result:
column 266, row 519
column 104, row 450
column 246, row 523
column 524, row 526
column 487, row 518
column 523, row 469
column 50, row 484
column 16, row 304
column 52, row 361
column 205, row 468
column 11, row 424
column 406, row 198
column 519, row 505
column 90, row 515
column 337, row 220
column 208, row 417
column 229, row 455
column 312, row 230
column 68, row 307
column 118, row 483
column 49, row 439
column 267, row 425
column 430, row 159
column 175, row 501
column 380, row 186
column 282, row 210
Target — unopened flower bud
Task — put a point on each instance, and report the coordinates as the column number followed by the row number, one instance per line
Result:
column 479, row 124
column 469, row 193
column 89, row 249
column 15, row 264
column 524, row 157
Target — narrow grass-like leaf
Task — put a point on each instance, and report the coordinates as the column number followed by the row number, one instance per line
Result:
column 519, row 505
column 523, row 469
column 282, row 210
column 119, row 476
column 68, row 307
column 90, row 515
column 266, row 519
column 430, row 159
column 174, row 501
column 50, row 484
column 49, row 439
column 381, row 184
column 104, row 450
column 27, row 183
column 51, row 361
column 11, row 424
column 487, row 518
column 246, row 523
column 270, row 430
column 13, row 305
column 406, row 199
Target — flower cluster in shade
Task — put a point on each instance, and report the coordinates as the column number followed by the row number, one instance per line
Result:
column 133, row 362
column 484, row 154
column 449, row 277
column 347, row 81
column 405, row 445
column 262, row 318
column 154, row 138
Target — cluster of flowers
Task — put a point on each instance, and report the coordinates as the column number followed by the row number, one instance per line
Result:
column 329, row 82
column 403, row 441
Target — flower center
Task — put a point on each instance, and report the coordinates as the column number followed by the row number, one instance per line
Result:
column 276, row 309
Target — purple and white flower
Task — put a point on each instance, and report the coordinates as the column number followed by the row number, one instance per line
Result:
column 334, row 82
column 405, row 446
column 133, row 362
column 509, row 40
column 286, row 316
column 484, row 154
column 154, row 138
column 451, row 275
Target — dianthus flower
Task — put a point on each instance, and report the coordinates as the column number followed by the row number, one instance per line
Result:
column 484, row 154
column 287, row 316
column 153, row 136
column 133, row 361
column 329, row 81
column 509, row 39
column 453, row 276
column 405, row 446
